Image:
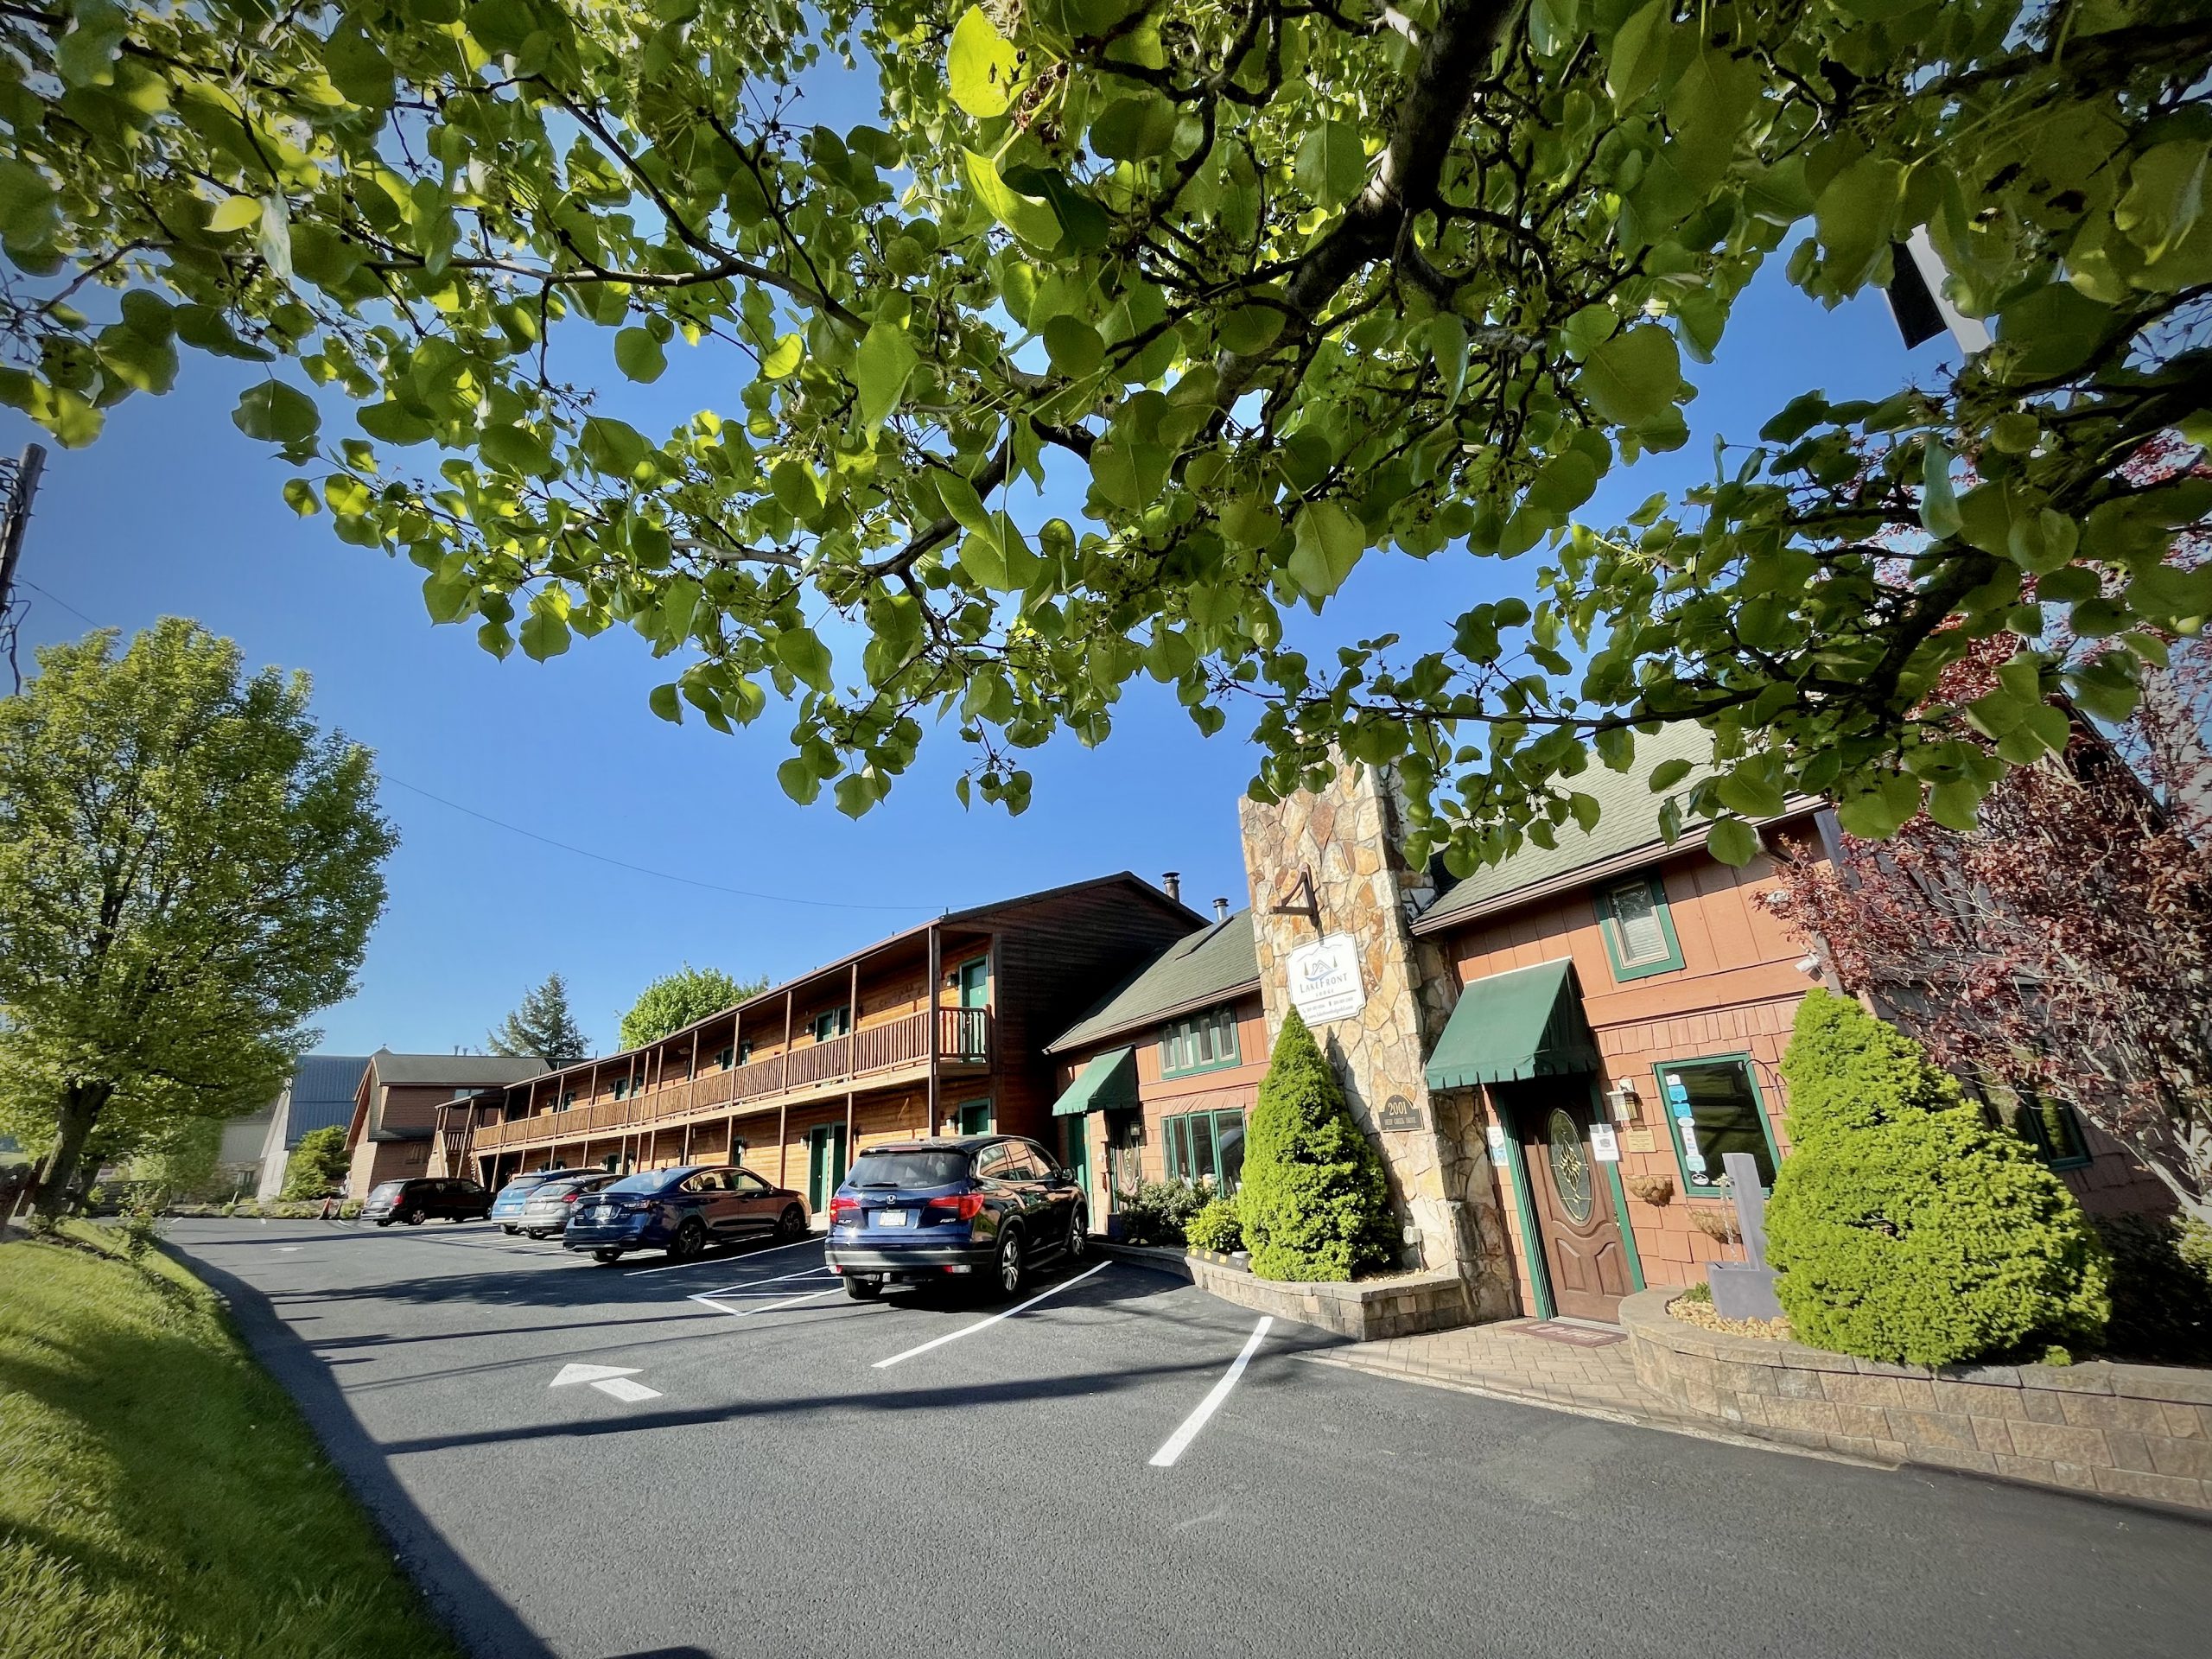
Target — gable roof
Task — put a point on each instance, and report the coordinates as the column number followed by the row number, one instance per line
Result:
column 461, row 1071
column 323, row 1087
column 1627, row 838
column 1209, row 966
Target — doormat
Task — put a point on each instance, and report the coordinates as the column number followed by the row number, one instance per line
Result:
column 1575, row 1336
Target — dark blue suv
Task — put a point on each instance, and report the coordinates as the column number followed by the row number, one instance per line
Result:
column 991, row 1205
column 681, row 1211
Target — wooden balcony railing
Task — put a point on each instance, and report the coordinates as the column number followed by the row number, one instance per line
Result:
column 964, row 1038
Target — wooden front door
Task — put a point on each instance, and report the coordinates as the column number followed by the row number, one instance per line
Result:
column 1573, row 1204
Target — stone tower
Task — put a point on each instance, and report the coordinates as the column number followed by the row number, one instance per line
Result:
column 1328, row 870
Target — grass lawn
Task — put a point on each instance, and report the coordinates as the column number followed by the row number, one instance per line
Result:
column 159, row 1494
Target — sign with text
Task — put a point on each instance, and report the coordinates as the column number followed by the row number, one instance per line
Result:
column 1399, row 1114
column 1604, row 1146
column 1325, row 981
column 1496, row 1136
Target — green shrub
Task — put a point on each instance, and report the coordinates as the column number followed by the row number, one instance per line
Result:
column 1700, row 1292
column 2161, row 1297
column 1315, row 1204
column 1215, row 1228
column 317, row 1164
column 1158, row 1211
column 1904, row 1226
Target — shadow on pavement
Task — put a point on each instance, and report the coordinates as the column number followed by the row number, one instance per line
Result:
column 466, row 1605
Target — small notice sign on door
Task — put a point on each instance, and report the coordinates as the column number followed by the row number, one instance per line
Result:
column 1496, row 1137
column 1604, row 1145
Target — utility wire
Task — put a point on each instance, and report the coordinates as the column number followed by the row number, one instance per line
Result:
column 640, row 869
column 27, row 582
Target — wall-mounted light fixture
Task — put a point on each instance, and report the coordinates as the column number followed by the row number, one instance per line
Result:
column 1622, row 1098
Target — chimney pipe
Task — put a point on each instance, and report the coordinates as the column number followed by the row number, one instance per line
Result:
column 1221, row 910
column 1172, row 881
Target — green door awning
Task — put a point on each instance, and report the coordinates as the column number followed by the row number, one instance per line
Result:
column 1109, row 1083
column 1526, row 1023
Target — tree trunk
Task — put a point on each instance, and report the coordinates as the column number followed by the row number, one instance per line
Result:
column 81, row 1105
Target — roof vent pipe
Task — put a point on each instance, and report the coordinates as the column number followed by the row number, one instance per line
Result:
column 1172, row 883
column 1221, row 910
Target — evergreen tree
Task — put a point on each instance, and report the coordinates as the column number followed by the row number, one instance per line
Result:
column 317, row 1164
column 1905, row 1226
column 542, row 1026
column 1314, row 1204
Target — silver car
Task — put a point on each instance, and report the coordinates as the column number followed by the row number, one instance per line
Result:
column 550, row 1205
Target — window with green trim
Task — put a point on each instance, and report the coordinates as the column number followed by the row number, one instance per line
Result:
column 1639, row 930
column 724, row 1058
column 834, row 1023
column 1203, row 1043
column 1197, row 1146
column 2050, row 1126
column 568, row 1100
column 1713, row 1108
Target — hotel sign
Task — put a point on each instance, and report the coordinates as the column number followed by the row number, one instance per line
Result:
column 1325, row 981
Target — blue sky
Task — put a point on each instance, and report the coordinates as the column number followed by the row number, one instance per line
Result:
column 174, row 513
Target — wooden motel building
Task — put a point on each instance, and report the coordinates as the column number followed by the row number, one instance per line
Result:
column 1554, row 1055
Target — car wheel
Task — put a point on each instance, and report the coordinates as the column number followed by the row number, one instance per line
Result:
column 384, row 1222
column 509, row 1231
column 1078, row 1237
column 690, row 1239
column 1011, row 1268
column 414, row 1217
column 862, row 1289
column 538, row 1233
column 606, row 1258
column 793, row 1223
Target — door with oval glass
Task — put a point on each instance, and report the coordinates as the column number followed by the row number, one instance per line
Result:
column 1573, row 1203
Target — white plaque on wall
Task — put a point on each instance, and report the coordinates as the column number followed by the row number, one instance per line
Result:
column 1325, row 982
column 1605, row 1147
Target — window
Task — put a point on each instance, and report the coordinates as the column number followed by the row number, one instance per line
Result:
column 1201, row 1042
column 1639, row 932
column 1201, row 1144
column 621, row 1088
column 723, row 1058
column 1714, row 1109
column 568, row 1100
column 994, row 1164
column 975, row 1117
column 835, row 1023
column 2051, row 1129
column 747, row 1182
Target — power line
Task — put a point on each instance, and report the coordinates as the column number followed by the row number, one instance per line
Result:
column 27, row 582
column 640, row 869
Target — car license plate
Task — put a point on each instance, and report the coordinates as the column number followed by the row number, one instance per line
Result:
column 894, row 1217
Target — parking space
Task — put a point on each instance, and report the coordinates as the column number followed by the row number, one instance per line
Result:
column 728, row 1456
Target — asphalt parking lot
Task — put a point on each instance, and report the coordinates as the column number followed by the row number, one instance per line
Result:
column 739, row 1461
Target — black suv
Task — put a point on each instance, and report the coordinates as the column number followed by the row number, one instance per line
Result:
column 416, row 1201
column 991, row 1205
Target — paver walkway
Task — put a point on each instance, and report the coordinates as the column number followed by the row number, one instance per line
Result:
column 1505, row 1360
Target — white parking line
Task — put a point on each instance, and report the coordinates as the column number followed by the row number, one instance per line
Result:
column 970, row 1330
column 1180, row 1441
column 720, row 1260
column 777, row 1278
column 769, row 1307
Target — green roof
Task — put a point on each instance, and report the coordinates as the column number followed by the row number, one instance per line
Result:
column 1526, row 1023
column 1107, row 1083
column 1210, row 966
column 1628, row 822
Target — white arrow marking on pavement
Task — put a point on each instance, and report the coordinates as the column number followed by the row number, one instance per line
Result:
column 613, row 1380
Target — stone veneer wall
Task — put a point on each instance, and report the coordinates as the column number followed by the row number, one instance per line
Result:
column 2120, row 1431
column 1346, row 838
column 1405, row 1306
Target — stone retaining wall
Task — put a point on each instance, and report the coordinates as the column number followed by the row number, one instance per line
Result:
column 1404, row 1305
column 2122, row 1431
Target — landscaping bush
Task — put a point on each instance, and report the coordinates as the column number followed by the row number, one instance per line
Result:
column 2161, row 1289
column 1158, row 1211
column 317, row 1164
column 1315, row 1204
column 1215, row 1228
column 1904, row 1226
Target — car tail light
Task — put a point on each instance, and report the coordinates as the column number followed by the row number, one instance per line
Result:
column 965, row 1206
column 571, row 1198
column 842, row 1209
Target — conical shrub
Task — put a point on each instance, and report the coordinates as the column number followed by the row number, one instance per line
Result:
column 1904, row 1226
column 1315, row 1202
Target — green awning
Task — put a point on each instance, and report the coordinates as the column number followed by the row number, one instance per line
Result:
column 1109, row 1083
column 1526, row 1023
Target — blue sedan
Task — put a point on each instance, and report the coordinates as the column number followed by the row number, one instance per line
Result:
column 681, row 1211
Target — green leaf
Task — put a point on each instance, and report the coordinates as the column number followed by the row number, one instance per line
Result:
column 981, row 65
column 885, row 362
column 802, row 652
column 1857, row 219
column 1251, row 328
column 1957, row 804
column 277, row 414
column 662, row 701
column 1135, row 129
column 1731, row 840
column 1639, row 52
column 235, row 213
column 798, row 781
column 300, row 496
column 517, row 449
column 393, row 422
column 1667, row 774
column 982, row 556
column 1074, row 345
column 1632, row 377
column 1030, row 217
column 1939, row 503
column 544, row 635
column 1447, row 344
column 1331, row 165
column 638, row 355
column 783, row 359
column 1328, row 544
column 1881, row 812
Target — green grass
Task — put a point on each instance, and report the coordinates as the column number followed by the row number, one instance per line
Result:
column 159, row 1494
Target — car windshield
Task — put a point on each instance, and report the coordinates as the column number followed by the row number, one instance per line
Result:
column 385, row 1190
column 909, row 1169
column 647, row 1180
